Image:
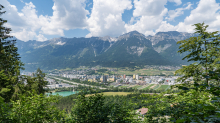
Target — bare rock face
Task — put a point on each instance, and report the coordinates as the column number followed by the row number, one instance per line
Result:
column 177, row 36
column 160, row 49
column 135, row 50
column 130, row 34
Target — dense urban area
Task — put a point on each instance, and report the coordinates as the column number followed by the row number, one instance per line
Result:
column 160, row 81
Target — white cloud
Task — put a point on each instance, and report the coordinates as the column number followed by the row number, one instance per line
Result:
column 149, row 17
column 182, row 27
column 204, row 12
column 151, row 22
column 26, row 35
column 68, row 14
column 106, row 17
column 151, row 14
column 208, row 13
column 164, row 27
column 179, row 11
column 12, row 16
column 148, row 7
column 41, row 37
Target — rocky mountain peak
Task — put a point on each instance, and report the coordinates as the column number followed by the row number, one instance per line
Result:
column 169, row 33
column 108, row 38
column 130, row 34
column 177, row 36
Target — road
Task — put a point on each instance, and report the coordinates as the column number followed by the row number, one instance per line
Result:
column 77, row 83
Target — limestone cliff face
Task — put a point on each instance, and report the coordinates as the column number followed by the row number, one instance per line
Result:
column 177, row 36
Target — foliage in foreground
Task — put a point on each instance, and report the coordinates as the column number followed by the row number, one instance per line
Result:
column 34, row 108
column 199, row 99
column 93, row 110
column 38, row 108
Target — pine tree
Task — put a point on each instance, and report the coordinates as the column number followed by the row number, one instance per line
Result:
column 40, row 83
column 10, row 64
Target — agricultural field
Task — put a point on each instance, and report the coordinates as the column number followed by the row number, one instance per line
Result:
column 137, row 86
column 113, row 93
column 148, row 87
column 127, row 71
column 156, row 86
column 148, row 72
column 164, row 87
column 124, row 86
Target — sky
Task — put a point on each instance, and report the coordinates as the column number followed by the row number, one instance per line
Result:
column 43, row 20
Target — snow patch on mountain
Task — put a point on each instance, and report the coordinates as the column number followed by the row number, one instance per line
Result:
column 60, row 43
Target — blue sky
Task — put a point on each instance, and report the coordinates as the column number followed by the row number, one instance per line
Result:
column 46, row 19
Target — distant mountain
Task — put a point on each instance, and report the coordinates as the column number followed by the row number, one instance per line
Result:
column 128, row 50
column 165, row 44
column 177, row 36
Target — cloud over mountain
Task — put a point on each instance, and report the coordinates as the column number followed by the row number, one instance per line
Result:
column 104, row 17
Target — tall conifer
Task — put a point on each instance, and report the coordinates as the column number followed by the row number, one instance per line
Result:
column 10, row 63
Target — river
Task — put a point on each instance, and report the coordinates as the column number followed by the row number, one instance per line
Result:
column 64, row 93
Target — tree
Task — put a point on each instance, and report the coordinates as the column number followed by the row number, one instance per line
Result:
column 204, row 49
column 36, row 83
column 40, row 83
column 93, row 110
column 90, row 110
column 34, row 108
column 198, row 100
column 10, row 63
column 11, row 82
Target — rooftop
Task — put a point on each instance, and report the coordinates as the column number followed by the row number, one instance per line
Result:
column 143, row 110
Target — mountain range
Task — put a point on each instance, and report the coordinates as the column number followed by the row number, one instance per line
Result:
column 128, row 50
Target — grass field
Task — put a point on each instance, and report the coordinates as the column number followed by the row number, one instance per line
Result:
column 143, row 86
column 156, row 87
column 148, row 72
column 137, row 86
column 164, row 87
column 123, row 86
column 113, row 93
column 148, row 86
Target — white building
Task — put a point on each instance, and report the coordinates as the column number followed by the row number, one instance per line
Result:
column 137, row 77
column 130, row 80
column 58, row 85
